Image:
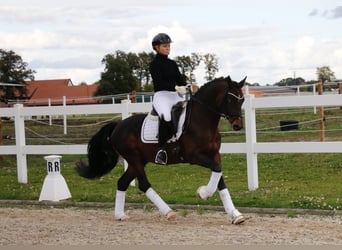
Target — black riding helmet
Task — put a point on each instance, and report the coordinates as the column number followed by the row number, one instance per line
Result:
column 160, row 38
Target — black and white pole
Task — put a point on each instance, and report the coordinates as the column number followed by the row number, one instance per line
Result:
column 55, row 187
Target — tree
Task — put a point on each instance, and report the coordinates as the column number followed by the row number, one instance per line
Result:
column 125, row 72
column 188, row 64
column 142, row 72
column 118, row 76
column 13, row 70
column 325, row 74
column 183, row 63
column 290, row 82
column 211, row 66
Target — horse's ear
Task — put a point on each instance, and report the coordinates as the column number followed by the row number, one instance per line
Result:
column 228, row 78
column 242, row 82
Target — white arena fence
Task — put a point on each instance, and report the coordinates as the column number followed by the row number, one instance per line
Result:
column 251, row 147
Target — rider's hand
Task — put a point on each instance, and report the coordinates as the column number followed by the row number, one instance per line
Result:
column 181, row 89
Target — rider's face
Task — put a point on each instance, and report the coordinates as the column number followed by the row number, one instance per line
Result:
column 163, row 49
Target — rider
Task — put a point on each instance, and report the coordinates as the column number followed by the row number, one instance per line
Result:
column 166, row 79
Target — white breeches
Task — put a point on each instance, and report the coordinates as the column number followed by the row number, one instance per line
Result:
column 163, row 102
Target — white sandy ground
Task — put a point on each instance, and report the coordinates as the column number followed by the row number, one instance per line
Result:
column 81, row 227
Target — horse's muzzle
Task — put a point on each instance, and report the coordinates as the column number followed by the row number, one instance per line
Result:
column 237, row 124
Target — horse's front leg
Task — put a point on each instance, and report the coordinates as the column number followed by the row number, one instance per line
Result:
column 234, row 215
column 205, row 192
column 216, row 181
column 160, row 204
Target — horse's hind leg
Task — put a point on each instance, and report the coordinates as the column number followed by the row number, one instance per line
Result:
column 123, row 183
column 119, row 210
column 235, row 216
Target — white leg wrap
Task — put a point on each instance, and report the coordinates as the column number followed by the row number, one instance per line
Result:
column 158, row 202
column 119, row 212
column 205, row 192
column 235, row 216
column 213, row 182
column 227, row 201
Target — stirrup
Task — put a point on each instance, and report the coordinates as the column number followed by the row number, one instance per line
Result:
column 161, row 157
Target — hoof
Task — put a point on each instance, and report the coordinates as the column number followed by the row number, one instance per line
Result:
column 203, row 193
column 171, row 216
column 237, row 218
column 123, row 218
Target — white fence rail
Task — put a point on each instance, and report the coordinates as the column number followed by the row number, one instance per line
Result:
column 251, row 147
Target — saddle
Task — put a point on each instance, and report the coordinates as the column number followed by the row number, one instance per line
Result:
column 149, row 128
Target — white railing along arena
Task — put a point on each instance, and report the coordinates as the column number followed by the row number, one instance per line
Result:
column 251, row 147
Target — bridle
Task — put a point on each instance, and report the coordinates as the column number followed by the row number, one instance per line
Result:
column 221, row 114
column 239, row 98
column 235, row 116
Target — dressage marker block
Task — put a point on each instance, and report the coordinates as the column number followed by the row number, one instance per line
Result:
column 54, row 187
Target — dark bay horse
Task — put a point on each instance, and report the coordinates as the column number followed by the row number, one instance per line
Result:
column 199, row 144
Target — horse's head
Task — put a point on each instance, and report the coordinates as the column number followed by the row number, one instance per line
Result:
column 232, row 103
column 222, row 97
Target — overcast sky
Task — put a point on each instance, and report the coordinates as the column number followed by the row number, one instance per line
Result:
column 265, row 40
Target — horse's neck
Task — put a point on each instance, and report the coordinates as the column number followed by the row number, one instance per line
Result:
column 204, row 117
column 206, row 114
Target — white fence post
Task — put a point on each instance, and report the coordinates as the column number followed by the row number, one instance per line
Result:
column 20, row 143
column 252, row 156
column 50, row 117
column 314, row 93
column 124, row 108
column 64, row 116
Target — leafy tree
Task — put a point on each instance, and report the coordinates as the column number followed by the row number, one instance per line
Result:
column 142, row 72
column 125, row 72
column 118, row 76
column 325, row 74
column 211, row 66
column 183, row 63
column 188, row 64
column 290, row 82
column 13, row 70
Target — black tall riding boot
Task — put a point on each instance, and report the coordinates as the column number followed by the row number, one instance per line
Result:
column 163, row 135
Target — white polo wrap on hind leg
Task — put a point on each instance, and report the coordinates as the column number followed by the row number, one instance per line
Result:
column 157, row 201
column 119, row 211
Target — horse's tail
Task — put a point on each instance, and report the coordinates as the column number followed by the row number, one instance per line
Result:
column 102, row 158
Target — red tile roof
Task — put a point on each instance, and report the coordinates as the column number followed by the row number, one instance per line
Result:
column 41, row 91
